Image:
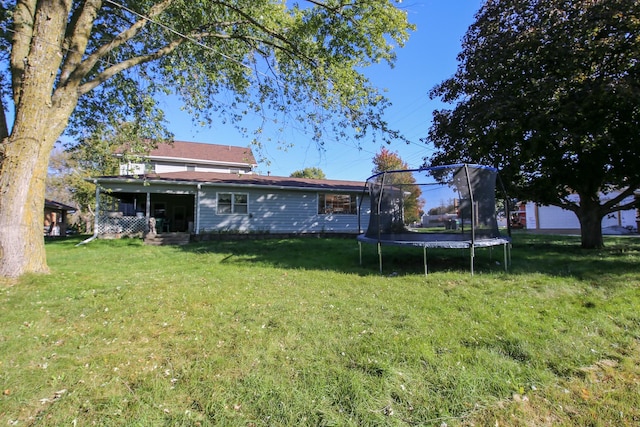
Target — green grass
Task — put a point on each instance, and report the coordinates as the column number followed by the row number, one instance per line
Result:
column 296, row 332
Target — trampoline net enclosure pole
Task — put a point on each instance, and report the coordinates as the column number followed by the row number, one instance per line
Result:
column 474, row 215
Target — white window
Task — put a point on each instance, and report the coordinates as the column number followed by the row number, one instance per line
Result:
column 233, row 203
column 337, row 204
column 132, row 169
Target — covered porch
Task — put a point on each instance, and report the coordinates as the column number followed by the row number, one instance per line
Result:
column 130, row 213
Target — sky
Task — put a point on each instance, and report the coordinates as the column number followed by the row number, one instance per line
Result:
column 428, row 58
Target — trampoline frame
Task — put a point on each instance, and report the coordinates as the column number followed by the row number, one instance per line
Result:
column 439, row 240
column 447, row 244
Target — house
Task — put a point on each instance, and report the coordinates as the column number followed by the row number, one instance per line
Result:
column 204, row 189
column 55, row 217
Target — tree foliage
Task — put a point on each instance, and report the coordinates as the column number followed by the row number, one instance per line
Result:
column 72, row 66
column 223, row 59
column 443, row 209
column 548, row 91
column 67, row 183
column 311, row 173
column 98, row 154
column 386, row 160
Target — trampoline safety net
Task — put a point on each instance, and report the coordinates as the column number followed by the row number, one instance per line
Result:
column 450, row 206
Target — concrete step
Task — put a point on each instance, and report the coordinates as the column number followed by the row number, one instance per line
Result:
column 167, row 239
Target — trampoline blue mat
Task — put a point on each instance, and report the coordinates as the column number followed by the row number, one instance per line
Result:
column 434, row 240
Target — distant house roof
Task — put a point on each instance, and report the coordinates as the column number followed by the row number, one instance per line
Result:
column 197, row 151
column 226, row 179
column 52, row 204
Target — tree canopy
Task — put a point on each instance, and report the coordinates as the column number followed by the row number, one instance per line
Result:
column 72, row 167
column 311, row 173
column 548, row 91
column 387, row 160
column 73, row 66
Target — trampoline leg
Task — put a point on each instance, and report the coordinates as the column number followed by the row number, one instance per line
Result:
column 360, row 248
column 472, row 254
column 425, row 259
column 506, row 269
column 380, row 256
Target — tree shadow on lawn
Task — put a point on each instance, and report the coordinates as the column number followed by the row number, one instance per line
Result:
column 343, row 255
column 550, row 255
column 336, row 254
column 557, row 255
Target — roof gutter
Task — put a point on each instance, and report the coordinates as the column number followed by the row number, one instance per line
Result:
column 228, row 184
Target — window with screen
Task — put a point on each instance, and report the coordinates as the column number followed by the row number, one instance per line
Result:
column 337, row 204
column 233, row 203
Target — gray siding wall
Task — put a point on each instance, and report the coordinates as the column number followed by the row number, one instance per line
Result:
column 276, row 211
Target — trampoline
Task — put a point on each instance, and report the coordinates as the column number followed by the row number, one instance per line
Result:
column 451, row 206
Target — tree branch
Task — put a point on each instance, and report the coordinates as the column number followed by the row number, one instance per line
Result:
column 292, row 47
column 87, row 65
column 132, row 62
column 612, row 205
column 78, row 36
column 23, row 21
column 336, row 9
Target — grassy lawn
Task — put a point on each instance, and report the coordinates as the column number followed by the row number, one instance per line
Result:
column 296, row 332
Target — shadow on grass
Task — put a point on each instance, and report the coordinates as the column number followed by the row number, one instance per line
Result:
column 562, row 256
column 553, row 255
column 343, row 255
column 550, row 255
column 335, row 254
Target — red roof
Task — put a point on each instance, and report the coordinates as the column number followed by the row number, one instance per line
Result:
column 52, row 204
column 202, row 151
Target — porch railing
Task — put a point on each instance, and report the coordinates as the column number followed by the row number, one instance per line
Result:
column 117, row 223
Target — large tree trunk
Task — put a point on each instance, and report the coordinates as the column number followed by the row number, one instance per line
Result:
column 40, row 118
column 23, row 173
column 22, row 186
column 590, row 217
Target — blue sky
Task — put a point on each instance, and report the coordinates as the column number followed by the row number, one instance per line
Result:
column 428, row 58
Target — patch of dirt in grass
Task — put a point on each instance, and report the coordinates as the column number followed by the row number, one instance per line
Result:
column 604, row 394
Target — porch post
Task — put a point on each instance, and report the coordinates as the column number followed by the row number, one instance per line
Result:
column 197, row 218
column 148, row 212
column 96, row 217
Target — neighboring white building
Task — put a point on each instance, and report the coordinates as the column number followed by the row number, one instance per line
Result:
column 554, row 218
